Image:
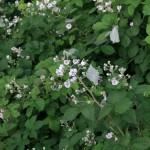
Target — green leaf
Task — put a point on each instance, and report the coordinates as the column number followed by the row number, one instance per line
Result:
column 126, row 139
column 88, row 111
column 54, row 124
column 99, row 26
column 99, row 146
column 131, row 10
column 130, row 116
column 147, row 39
column 106, row 110
column 71, row 39
column 142, row 143
column 71, row 113
column 125, row 41
column 107, row 49
column 148, row 29
column 109, row 19
column 3, row 64
column 148, row 77
column 39, row 104
column 133, row 50
column 75, row 138
column 101, row 37
column 79, row 3
column 123, row 105
column 146, row 10
column 141, row 89
column 116, row 96
column 35, row 91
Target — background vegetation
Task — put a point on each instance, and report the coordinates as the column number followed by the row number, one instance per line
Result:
column 103, row 103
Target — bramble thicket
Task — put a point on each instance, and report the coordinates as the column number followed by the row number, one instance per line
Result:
column 75, row 75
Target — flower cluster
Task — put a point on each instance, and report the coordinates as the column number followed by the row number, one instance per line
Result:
column 70, row 68
column 17, row 52
column 116, row 75
column 13, row 87
column 110, row 135
column 106, row 6
column 46, row 4
column 89, row 139
column 66, row 125
column 9, row 24
column 39, row 6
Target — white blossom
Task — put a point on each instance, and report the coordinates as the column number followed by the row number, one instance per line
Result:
column 49, row 5
column 73, row 72
column 73, row 79
column 114, row 81
column 59, row 72
column 131, row 24
column 46, row 1
column 67, row 84
column 66, row 62
column 8, row 86
column 119, row 8
column 75, row 61
column 109, row 135
column 69, row 26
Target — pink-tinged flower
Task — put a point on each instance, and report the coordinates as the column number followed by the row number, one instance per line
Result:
column 99, row 1
column 46, row 1
column 61, row 67
column 100, row 7
column 66, row 62
column 59, row 72
column 83, row 63
column 73, row 72
column 49, row 5
column 42, row 6
column 67, row 84
column 69, row 26
column 76, row 61
column 114, row 81
column 109, row 135
column 73, row 79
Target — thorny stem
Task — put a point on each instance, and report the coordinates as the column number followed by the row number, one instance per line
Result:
column 89, row 92
column 121, row 132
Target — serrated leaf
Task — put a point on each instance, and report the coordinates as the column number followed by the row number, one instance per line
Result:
column 88, row 111
column 105, row 110
column 142, row 143
column 123, row 105
column 75, row 138
column 71, row 113
column 39, row 104
column 130, row 116
column 79, row 3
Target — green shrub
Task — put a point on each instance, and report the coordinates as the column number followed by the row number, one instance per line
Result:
column 75, row 75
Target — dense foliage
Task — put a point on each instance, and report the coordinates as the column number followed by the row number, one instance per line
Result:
column 75, row 75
